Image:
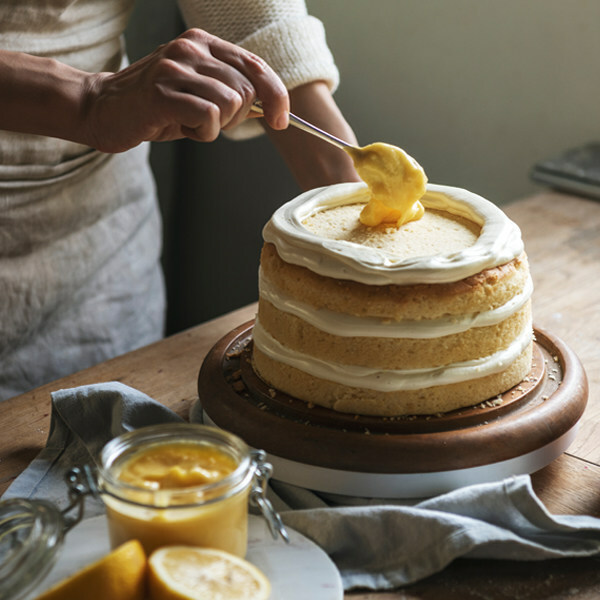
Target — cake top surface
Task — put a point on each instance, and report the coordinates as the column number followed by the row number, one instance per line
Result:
column 472, row 234
column 414, row 239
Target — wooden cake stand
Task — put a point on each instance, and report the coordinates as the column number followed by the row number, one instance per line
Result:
column 518, row 432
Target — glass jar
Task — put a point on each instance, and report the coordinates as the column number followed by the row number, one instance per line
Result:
column 31, row 533
column 213, row 514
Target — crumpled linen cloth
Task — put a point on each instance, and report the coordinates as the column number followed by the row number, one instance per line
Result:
column 83, row 420
column 375, row 545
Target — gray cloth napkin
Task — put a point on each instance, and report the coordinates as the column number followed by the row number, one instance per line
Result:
column 384, row 546
column 83, row 420
column 374, row 545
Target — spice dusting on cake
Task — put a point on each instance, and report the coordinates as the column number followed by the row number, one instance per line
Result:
column 435, row 232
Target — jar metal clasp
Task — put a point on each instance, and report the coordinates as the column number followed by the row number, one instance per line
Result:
column 258, row 495
column 81, row 482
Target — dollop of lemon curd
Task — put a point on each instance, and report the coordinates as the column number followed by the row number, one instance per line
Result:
column 169, row 499
column 396, row 181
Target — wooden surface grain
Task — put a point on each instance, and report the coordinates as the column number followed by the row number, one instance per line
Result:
column 562, row 240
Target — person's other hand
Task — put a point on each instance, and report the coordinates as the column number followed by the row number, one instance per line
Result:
column 313, row 162
column 193, row 86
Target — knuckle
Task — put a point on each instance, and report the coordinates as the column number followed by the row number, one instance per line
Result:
column 205, row 133
column 211, row 117
column 246, row 92
column 196, row 34
column 255, row 63
column 166, row 67
column 180, row 48
column 234, row 101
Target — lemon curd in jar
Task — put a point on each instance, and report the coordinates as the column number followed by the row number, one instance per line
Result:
column 167, row 489
column 176, row 465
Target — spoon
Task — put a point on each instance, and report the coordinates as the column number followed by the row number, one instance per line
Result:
column 396, row 177
column 309, row 128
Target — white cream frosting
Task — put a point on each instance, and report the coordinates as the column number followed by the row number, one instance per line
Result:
column 391, row 380
column 349, row 325
column 498, row 243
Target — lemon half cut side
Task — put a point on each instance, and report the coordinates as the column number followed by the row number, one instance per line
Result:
column 191, row 573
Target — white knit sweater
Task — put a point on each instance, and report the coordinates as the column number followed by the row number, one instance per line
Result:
column 279, row 31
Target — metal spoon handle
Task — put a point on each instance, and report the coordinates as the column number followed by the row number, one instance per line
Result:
column 309, row 128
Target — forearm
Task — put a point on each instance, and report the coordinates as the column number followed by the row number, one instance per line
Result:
column 312, row 161
column 42, row 96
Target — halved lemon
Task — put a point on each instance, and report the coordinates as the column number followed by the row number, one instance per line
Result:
column 120, row 575
column 190, row 573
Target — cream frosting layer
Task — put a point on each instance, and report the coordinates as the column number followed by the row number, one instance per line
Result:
column 498, row 243
column 391, row 380
column 350, row 326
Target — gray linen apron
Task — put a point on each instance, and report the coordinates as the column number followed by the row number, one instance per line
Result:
column 80, row 231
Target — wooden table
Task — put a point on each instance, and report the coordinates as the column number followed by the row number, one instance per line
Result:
column 562, row 239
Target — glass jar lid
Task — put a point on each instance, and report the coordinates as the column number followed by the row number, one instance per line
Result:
column 31, row 535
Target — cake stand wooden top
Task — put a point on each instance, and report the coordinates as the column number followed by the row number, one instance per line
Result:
column 543, row 407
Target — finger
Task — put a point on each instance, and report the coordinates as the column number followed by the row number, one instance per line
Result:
column 227, row 98
column 204, row 125
column 178, row 75
column 198, row 66
column 226, row 87
column 268, row 86
column 195, row 116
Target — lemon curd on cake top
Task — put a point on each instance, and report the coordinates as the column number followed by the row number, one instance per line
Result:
column 424, row 318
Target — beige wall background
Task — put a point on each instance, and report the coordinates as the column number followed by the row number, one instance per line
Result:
column 476, row 90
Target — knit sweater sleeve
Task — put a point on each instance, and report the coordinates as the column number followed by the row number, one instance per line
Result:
column 280, row 31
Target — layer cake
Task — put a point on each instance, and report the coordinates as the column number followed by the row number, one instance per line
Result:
column 424, row 318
